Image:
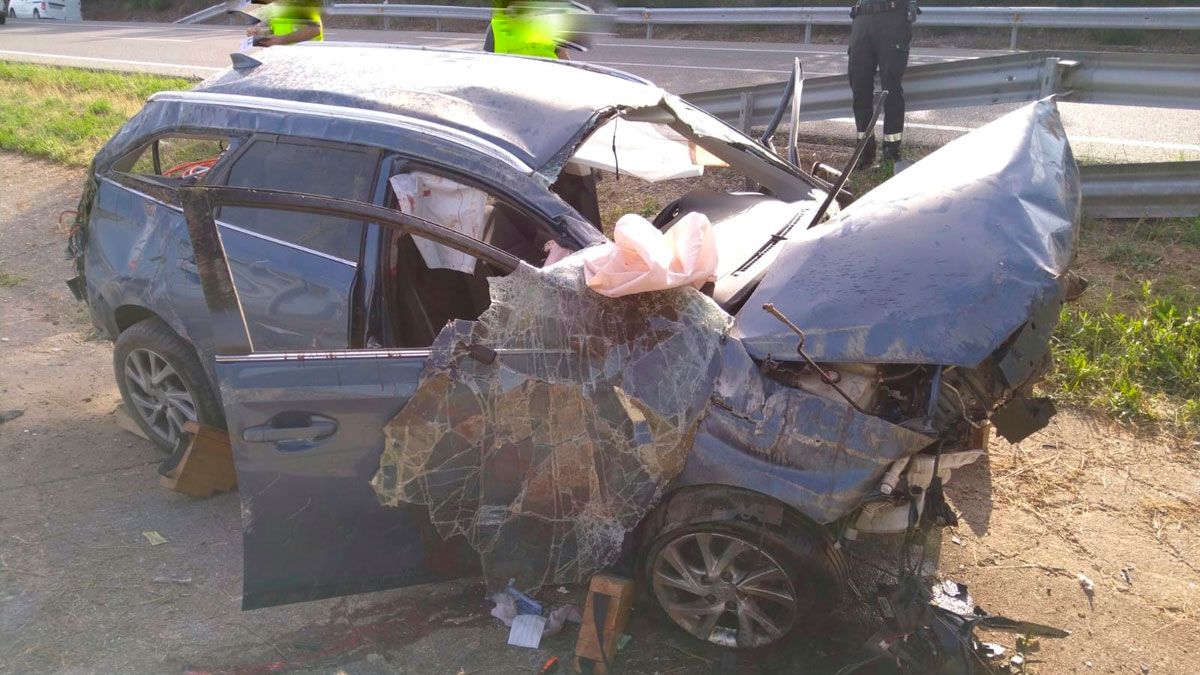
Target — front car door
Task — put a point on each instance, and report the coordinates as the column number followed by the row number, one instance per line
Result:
column 307, row 428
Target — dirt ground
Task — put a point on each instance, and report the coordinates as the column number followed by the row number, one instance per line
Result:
column 78, row 589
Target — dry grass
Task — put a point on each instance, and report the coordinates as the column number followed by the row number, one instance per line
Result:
column 1170, row 513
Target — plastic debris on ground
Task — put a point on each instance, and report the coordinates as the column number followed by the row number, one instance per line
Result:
column 1089, row 588
column 931, row 629
column 525, row 604
column 10, row 415
column 953, row 597
column 512, row 605
column 527, row 631
column 1127, row 575
column 154, row 538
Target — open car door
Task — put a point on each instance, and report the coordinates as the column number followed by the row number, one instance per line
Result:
column 307, row 430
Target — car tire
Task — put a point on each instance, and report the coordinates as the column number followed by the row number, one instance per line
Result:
column 780, row 577
column 162, row 382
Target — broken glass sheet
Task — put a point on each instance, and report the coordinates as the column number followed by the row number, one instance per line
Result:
column 547, row 429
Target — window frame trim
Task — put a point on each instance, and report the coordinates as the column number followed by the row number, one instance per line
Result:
column 221, row 174
column 230, row 330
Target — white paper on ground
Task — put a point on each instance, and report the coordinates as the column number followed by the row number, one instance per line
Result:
column 527, row 631
column 452, row 205
column 641, row 258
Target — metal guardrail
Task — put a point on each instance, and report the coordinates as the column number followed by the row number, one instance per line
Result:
column 1151, row 80
column 1013, row 18
column 205, row 14
column 1154, row 190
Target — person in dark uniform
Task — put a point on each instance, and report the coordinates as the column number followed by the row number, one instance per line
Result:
column 879, row 40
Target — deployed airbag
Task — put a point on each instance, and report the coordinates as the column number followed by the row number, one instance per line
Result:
column 641, row 259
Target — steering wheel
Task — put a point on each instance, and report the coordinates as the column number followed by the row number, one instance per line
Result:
column 670, row 212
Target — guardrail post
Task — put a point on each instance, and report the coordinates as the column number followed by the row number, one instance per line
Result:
column 746, row 112
column 387, row 20
column 437, row 24
column 1012, row 39
column 649, row 31
column 808, row 33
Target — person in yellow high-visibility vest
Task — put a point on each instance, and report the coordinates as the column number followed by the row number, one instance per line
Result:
column 289, row 22
column 527, row 29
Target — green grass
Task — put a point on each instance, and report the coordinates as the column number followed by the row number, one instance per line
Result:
column 67, row 114
column 1131, row 347
column 10, row 280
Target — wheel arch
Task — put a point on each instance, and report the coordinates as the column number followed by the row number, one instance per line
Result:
column 126, row 316
column 716, row 503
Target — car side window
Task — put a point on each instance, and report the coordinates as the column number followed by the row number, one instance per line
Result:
column 428, row 284
column 475, row 212
column 326, row 170
column 176, row 156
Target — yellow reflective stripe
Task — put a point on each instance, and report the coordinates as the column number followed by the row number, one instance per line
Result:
column 892, row 138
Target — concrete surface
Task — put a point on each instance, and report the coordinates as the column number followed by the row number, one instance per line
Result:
column 1102, row 133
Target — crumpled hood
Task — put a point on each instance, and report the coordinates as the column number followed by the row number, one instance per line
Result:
column 938, row 265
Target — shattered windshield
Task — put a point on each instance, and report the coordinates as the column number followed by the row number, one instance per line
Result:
column 548, row 445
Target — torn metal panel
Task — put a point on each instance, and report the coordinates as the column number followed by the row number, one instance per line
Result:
column 546, row 455
column 940, row 264
column 816, row 454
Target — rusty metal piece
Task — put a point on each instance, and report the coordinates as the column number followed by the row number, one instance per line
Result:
column 826, row 377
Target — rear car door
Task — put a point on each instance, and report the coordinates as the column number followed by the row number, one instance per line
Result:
column 307, row 428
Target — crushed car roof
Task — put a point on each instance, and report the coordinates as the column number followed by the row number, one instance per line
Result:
column 532, row 108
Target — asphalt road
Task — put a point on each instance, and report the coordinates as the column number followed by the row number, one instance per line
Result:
column 1103, row 133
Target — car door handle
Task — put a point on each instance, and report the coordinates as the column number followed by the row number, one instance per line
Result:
column 282, row 430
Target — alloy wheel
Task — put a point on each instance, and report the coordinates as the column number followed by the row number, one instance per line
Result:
column 724, row 590
column 158, row 394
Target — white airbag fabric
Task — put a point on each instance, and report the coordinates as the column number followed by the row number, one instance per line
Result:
column 641, row 258
column 447, row 203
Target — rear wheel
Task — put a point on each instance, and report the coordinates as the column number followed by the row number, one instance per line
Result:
column 162, row 382
column 734, row 580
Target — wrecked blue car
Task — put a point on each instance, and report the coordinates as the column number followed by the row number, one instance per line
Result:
column 339, row 254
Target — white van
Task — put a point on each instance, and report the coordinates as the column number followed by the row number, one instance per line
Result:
column 37, row 9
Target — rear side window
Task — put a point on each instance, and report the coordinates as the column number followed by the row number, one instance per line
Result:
column 324, row 170
column 181, row 156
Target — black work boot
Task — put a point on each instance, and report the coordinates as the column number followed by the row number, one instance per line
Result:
column 891, row 151
column 867, row 158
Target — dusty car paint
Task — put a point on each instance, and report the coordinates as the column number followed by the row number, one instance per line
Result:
column 940, row 264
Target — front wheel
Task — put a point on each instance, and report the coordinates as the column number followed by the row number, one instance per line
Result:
column 739, row 583
column 162, row 382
